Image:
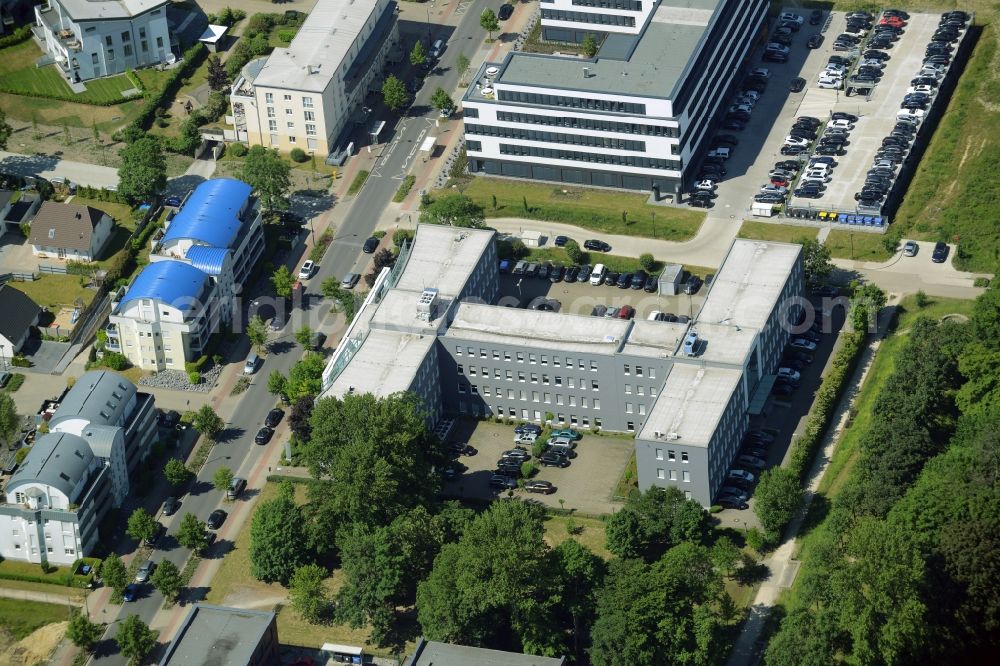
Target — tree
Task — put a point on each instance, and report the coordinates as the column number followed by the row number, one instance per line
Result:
column 456, row 210
column 83, row 633
column 282, row 281
column 305, row 379
column 10, row 423
column 218, row 79
column 418, row 56
column 378, row 450
column 115, row 576
column 581, row 574
column 298, row 418
column 6, row 130
column 268, row 175
column 257, row 333
column 176, row 473
column 143, row 171
column 647, row 262
column 222, row 478
column 462, row 64
column 207, row 422
column 489, row 22
column 442, row 101
column 778, row 497
column 308, row 593
column 573, row 252
column 191, row 533
column 866, row 302
column 589, row 46
column 725, row 555
column 277, row 385
column 654, row 521
column 394, row 93
column 304, row 336
column 815, row 261
column 141, row 526
column 167, row 579
column 277, row 544
column 135, row 639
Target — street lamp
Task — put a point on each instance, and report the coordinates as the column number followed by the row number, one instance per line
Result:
column 3, row 355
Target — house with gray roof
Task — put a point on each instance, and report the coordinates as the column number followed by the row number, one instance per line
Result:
column 433, row 653
column 99, row 436
column 69, row 231
column 20, row 315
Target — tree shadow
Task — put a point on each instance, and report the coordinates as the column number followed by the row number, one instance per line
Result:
column 105, row 648
column 405, row 629
column 751, row 573
column 229, row 434
column 819, row 508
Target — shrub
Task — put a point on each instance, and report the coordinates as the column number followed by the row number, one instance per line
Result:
column 238, row 149
column 400, row 236
column 16, row 37
column 16, row 380
column 647, row 262
column 116, row 361
column 298, row 155
column 194, row 377
column 286, row 36
column 380, row 234
column 260, row 24
column 404, row 188
column 358, row 182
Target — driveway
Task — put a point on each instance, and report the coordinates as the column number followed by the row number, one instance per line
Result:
column 50, row 166
column 45, row 354
column 16, row 255
column 586, row 485
column 907, row 275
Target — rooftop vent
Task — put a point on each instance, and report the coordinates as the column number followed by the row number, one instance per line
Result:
column 673, row 436
column 426, row 303
column 586, row 72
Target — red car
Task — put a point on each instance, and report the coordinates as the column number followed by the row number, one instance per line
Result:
column 780, row 182
column 626, row 312
column 894, row 21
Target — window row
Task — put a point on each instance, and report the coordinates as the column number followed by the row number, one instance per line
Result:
column 583, row 123
column 671, row 474
column 307, row 102
column 595, row 158
column 534, row 396
column 539, row 99
column 671, row 455
column 557, row 137
column 587, row 17
column 542, row 359
column 628, row 5
column 584, row 422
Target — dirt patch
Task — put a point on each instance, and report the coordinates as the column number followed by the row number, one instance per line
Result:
column 249, row 596
column 33, row 649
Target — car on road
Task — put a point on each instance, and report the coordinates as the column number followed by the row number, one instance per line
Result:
column 370, row 245
column 145, row 571
column 307, row 270
column 170, row 506
column 131, row 592
column 797, row 84
column 543, row 487
column 596, row 245
column 215, row 519
column 263, row 435
column 274, row 417
column 172, row 201
column 350, row 280
column 910, row 249
column 940, row 253
column 503, row 482
column 505, row 12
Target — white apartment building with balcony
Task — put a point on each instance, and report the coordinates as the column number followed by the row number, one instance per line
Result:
column 89, row 39
column 633, row 116
column 306, row 95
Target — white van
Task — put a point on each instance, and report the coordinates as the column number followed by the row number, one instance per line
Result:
column 597, row 277
column 251, row 365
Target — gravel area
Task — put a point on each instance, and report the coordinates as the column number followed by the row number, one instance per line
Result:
column 178, row 381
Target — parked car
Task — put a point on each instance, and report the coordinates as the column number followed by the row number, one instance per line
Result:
column 730, row 502
column 543, row 487
column 307, row 270
column 145, row 571
column 940, row 253
column 741, row 476
column 554, row 459
column 910, row 249
column 502, row 482
column 560, row 241
column 170, row 506
column 370, row 245
column 505, row 12
column 350, row 280
column 528, row 428
column 802, row 343
column 751, row 461
column 263, row 435
column 215, row 519
column 569, row 433
column 596, row 245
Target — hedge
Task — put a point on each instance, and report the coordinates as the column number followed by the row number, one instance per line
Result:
column 192, row 59
column 99, row 194
column 804, row 447
column 16, row 37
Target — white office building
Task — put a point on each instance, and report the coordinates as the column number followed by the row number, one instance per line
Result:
column 88, row 39
column 633, row 116
column 305, row 96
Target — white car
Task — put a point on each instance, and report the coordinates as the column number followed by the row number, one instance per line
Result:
column 307, row 270
column 741, row 475
column 722, row 152
column 917, row 114
column 841, row 123
column 796, row 141
column 926, row 89
column 708, row 185
column 751, row 94
column 817, row 176
column 762, row 72
column 775, row 47
column 802, row 343
column 788, row 16
column 836, row 67
column 745, row 108
column 819, row 166
column 525, row 438
column 652, row 315
column 872, row 62
column 788, row 373
column 830, row 83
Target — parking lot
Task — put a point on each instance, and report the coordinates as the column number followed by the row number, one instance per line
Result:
column 586, row 485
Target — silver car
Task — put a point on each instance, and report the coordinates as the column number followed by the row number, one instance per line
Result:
column 145, row 571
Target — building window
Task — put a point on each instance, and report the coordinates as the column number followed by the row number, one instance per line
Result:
column 638, row 371
column 628, row 407
column 593, row 384
column 652, row 373
column 597, row 423
column 111, row 54
column 671, row 455
column 159, row 42
column 291, row 139
column 628, row 370
column 93, row 59
column 309, row 115
column 272, row 125
column 496, row 355
column 673, row 475
column 659, row 454
column 642, row 409
column 108, row 41
column 126, row 37
column 628, row 389
column 630, row 426
column 520, row 376
column 659, row 473
column 461, row 370
column 307, row 102
column 270, row 112
column 269, row 98
column 290, row 125
column 597, row 403
column 611, row 159
column 520, row 357
column 684, row 456
column 288, row 98
column 145, row 45
column 558, row 381
column 288, row 112
column 532, row 359
column 686, row 476
column 474, row 146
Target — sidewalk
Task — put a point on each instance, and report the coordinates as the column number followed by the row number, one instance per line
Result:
column 44, row 597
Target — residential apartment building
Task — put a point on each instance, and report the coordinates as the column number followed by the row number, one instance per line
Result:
column 89, row 39
column 436, row 325
column 167, row 315
column 99, row 437
column 632, row 117
column 305, row 96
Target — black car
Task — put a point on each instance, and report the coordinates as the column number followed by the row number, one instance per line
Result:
column 572, row 272
column 370, row 245
column 170, row 506
column 274, row 417
column 553, row 459
column 599, row 310
column 787, row 165
column 808, row 194
column 727, row 139
column 639, row 279
column 816, row 17
column 544, row 487
column 611, row 279
column 597, row 245
column 830, row 150
column 815, row 41
column 543, row 270
column 797, row 84
column 781, row 388
column 528, row 428
column 216, row 519
column 734, row 124
column 769, row 198
column 652, row 284
column 624, row 281
column 505, row 12
column 560, row 240
column 793, row 150
column 770, row 56
column 556, row 274
column 940, row 253
column 875, row 54
column 693, row 285
column 263, row 435
column 730, row 502
column 695, row 202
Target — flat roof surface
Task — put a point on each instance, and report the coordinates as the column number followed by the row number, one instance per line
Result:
column 80, row 10
column 659, row 339
column 690, row 405
column 723, row 343
column 432, row 653
column 386, row 363
column 443, row 258
column 218, row 636
column 398, row 311
column 749, row 282
column 537, row 328
column 318, row 49
column 653, row 69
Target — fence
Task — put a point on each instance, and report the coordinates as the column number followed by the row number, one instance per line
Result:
column 52, row 270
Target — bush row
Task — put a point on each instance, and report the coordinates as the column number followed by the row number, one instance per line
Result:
column 404, row 188
column 804, row 447
column 16, row 37
column 99, row 194
column 193, row 58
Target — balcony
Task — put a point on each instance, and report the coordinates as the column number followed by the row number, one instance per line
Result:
column 56, row 28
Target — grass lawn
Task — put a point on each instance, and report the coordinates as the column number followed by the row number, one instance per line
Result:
column 19, row 74
column 629, row 481
column 77, row 593
column 859, row 246
column 21, row 617
column 766, row 231
column 590, row 534
column 55, row 291
column 599, row 210
column 120, row 213
column 28, row 569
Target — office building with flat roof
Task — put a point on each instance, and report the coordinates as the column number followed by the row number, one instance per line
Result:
column 433, row 653
column 222, row 636
column 305, row 96
column 631, row 117
column 434, row 325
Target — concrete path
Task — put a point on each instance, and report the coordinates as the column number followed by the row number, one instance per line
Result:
column 50, row 166
column 907, row 275
column 44, row 597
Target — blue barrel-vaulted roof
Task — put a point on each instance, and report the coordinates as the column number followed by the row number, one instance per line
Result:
column 211, row 214
column 207, row 259
column 172, row 282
